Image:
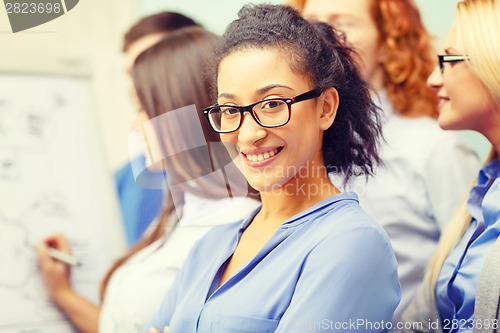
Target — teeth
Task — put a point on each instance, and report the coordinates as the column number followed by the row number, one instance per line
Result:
column 262, row 157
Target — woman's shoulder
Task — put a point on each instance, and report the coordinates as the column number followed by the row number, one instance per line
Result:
column 344, row 216
column 349, row 237
column 345, row 207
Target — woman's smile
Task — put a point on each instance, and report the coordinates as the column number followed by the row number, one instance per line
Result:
column 262, row 156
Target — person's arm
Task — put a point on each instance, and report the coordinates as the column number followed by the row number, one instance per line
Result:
column 421, row 316
column 449, row 173
column 348, row 284
column 82, row 313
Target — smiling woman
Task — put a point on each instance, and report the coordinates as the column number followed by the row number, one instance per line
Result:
column 292, row 107
column 267, row 77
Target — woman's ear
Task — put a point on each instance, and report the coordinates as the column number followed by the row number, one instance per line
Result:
column 330, row 104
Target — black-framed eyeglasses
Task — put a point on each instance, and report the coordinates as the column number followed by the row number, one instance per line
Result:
column 452, row 58
column 273, row 112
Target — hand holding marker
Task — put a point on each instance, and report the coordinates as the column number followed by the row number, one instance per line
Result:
column 58, row 248
column 64, row 257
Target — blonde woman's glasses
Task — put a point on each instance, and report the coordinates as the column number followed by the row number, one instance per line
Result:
column 451, row 58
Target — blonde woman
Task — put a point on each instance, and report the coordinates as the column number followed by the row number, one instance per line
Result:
column 426, row 170
column 462, row 290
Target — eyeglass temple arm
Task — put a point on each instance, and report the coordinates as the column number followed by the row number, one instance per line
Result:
column 310, row 94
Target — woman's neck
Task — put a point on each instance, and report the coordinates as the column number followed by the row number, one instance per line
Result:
column 294, row 197
column 495, row 144
column 496, row 148
column 492, row 131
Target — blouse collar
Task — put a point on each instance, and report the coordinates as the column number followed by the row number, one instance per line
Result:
column 485, row 196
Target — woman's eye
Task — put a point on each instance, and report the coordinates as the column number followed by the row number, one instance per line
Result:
column 229, row 111
column 271, row 104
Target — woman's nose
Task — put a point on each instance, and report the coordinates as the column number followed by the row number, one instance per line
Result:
column 435, row 80
column 250, row 131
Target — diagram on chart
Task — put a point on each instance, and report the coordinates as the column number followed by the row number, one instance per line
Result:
column 17, row 242
column 52, row 180
column 25, row 123
column 9, row 167
column 20, row 278
column 16, row 257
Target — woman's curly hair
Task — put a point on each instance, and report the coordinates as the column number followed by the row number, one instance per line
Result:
column 318, row 52
column 408, row 58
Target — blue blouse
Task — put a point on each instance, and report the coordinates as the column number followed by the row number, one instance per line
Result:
column 457, row 281
column 330, row 267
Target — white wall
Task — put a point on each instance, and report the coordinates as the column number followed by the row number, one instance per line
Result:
column 214, row 15
column 438, row 17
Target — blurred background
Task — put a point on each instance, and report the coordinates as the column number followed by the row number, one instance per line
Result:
column 94, row 30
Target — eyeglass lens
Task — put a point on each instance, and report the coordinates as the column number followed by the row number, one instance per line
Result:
column 266, row 113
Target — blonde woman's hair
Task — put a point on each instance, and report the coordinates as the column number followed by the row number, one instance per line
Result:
column 454, row 232
column 478, row 26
